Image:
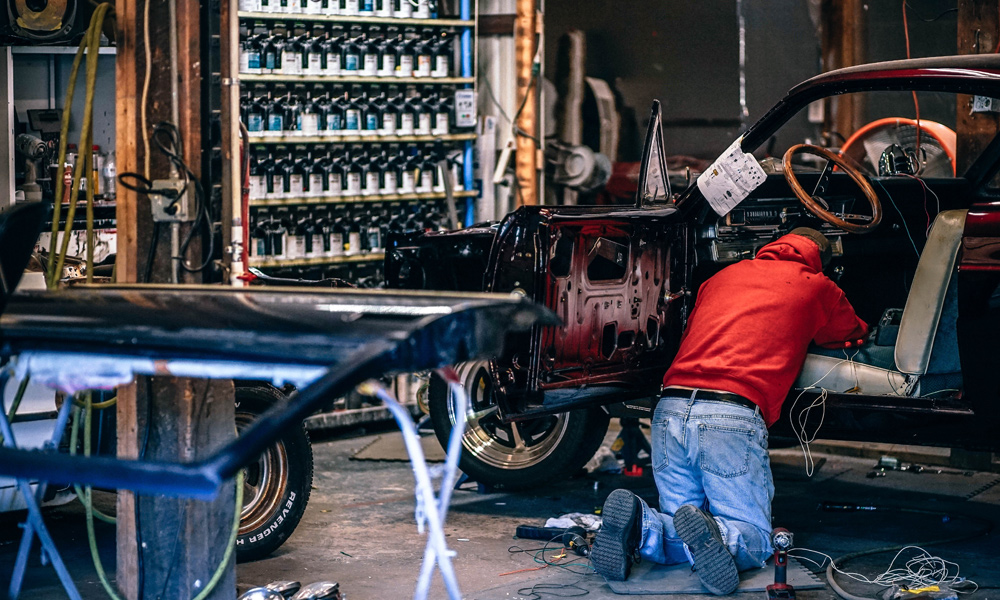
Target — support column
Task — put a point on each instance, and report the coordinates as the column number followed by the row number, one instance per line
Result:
column 169, row 547
column 844, row 37
column 526, row 167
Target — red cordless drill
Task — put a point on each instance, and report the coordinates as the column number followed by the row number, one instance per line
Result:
column 780, row 590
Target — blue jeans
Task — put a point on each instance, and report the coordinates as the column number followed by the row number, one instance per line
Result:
column 712, row 455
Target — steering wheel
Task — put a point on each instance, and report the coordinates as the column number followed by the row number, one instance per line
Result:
column 815, row 205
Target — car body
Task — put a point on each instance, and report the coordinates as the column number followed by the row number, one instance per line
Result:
column 325, row 341
column 624, row 278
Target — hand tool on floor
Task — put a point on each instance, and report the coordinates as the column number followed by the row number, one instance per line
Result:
column 574, row 538
column 781, row 539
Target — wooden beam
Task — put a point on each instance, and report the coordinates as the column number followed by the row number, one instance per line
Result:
column 182, row 541
column 185, row 540
column 525, row 47
column 978, row 23
column 843, row 45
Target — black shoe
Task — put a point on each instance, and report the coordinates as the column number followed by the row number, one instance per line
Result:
column 617, row 543
column 713, row 563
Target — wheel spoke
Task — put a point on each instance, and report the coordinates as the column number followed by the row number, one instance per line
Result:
column 473, row 418
column 515, row 430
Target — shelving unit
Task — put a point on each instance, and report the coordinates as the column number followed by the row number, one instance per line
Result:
column 319, row 260
column 270, row 78
column 361, row 20
column 355, row 208
column 324, row 200
column 358, row 139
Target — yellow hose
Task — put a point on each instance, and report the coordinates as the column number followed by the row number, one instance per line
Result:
column 91, row 43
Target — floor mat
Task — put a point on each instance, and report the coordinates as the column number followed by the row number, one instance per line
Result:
column 390, row 447
column 650, row 578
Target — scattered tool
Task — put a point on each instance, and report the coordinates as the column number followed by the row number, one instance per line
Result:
column 574, row 538
column 780, row 590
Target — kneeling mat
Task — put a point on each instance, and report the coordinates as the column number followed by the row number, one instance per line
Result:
column 651, row 578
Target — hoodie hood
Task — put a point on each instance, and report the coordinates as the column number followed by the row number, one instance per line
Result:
column 793, row 248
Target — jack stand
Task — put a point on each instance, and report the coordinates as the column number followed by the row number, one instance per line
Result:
column 630, row 441
column 780, row 590
column 481, row 488
column 35, row 525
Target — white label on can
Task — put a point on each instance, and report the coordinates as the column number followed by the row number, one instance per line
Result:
column 371, row 65
column 405, row 66
column 258, row 186
column 441, row 123
column 423, row 66
column 291, row 63
column 295, row 246
column 388, row 123
column 371, row 183
column 406, row 124
column 315, row 63
column 316, row 184
column 388, row 65
column 354, row 184
column 407, row 185
column 296, row 184
column 389, row 182
column 310, row 123
column 336, row 244
column 333, row 187
column 441, row 66
column 424, row 124
column 354, row 242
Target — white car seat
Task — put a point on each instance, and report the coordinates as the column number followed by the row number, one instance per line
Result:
column 871, row 371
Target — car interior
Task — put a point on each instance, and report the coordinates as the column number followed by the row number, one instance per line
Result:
column 913, row 350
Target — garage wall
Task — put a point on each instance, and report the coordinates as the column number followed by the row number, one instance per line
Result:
column 686, row 54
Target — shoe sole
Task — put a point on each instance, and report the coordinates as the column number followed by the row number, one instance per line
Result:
column 612, row 554
column 713, row 563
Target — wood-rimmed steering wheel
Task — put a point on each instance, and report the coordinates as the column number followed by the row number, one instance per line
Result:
column 815, row 205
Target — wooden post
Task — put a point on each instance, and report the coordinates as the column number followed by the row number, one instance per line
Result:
column 844, row 35
column 182, row 541
column 978, row 33
column 526, row 169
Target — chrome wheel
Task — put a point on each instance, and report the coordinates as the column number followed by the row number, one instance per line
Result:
column 509, row 446
column 264, row 482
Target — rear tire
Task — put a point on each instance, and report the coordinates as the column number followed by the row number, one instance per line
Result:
column 514, row 456
column 276, row 487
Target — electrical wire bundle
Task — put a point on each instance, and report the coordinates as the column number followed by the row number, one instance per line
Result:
column 800, row 420
column 168, row 141
column 920, row 570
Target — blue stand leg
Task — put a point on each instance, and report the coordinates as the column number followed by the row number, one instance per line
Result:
column 35, row 525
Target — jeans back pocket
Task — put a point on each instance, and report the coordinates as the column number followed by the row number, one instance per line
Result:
column 724, row 451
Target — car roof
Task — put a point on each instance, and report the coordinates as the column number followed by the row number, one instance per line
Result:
column 977, row 68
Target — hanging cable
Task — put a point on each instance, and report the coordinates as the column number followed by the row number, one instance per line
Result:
column 89, row 45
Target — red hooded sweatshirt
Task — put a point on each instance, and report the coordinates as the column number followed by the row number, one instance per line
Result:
column 752, row 323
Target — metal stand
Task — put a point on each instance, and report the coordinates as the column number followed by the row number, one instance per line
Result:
column 430, row 509
column 632, row 442
column 35, row 525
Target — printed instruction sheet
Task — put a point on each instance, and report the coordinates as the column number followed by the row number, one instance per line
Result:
column 730, row 179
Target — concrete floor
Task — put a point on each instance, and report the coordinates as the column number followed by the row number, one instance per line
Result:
column 359, row 528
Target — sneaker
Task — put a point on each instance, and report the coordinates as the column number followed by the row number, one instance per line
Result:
column 617, row 543
column 713, row 563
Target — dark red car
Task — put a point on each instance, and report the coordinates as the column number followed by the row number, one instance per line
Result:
column 916, row 249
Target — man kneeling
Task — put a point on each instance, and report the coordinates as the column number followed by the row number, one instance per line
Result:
column 745, row 343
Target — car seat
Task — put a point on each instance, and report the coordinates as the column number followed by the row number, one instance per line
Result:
column 915, row 350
